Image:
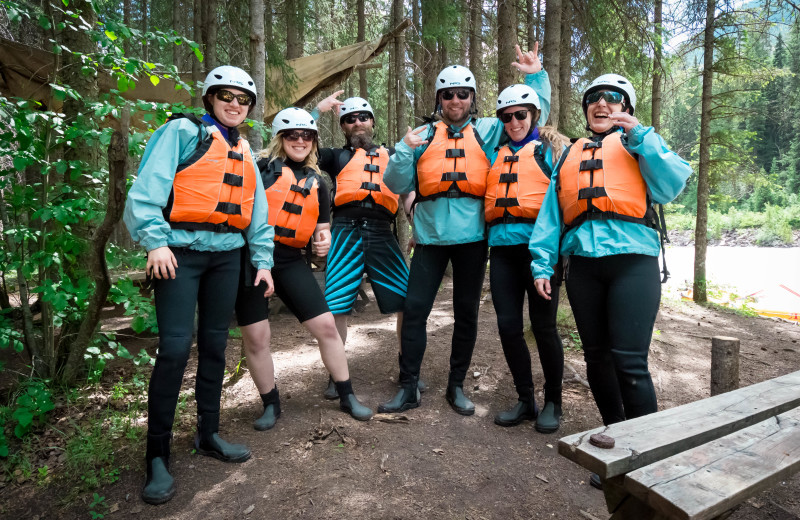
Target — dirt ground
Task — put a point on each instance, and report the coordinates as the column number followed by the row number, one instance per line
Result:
column 429, row 462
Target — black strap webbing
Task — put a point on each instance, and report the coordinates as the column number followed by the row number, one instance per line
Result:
column 205, row 226
column 281, row 231
column 371, row 186
column 455, row 153
column 592, row 193
column 374, row 168
column 454, row 176
column 229, row 208
column 295, row 209
column 593, row 144
column 231, row 179
column 236, row 156
column 508, row 178
column 506, row 202
column 511, row 158
column 591, row 164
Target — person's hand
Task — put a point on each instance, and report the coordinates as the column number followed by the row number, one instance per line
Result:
column 542, row 287
column 411, row 245
column 264, row 275
column 322, row 242
column 161, row 263
column 331, row 102
column 624, row 120
column 528, row 62
column 412, row 138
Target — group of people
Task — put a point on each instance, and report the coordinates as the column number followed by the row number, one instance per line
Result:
column 224, row 230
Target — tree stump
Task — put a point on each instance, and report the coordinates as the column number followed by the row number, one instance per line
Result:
column 724, row 364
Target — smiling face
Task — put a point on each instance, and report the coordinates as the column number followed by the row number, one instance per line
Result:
column 358, row 133
column 598, row 115
column 231, row 113
column 456, row 111
column 517, row 130
column 297, row 150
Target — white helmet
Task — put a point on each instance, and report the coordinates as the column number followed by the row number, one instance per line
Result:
column 613, row 82
column 229, row 76
column 455, row 76
column 354, row 105
column 292, row 118
column 517, row 95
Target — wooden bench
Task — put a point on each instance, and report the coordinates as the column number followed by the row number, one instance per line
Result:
column 699, row 460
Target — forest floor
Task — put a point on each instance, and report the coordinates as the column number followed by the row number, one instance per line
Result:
column 429, row 462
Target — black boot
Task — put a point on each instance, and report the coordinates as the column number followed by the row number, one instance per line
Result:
column 159, row 486
column 348, row 402
column 272, row 410
column 525, row 409
column 331, row 393
column 458, row 401
column 208, row 442
column 421, row 385
column 407, row 398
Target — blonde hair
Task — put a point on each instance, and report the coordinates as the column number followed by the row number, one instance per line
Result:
column 557, row 141
column 274, row 150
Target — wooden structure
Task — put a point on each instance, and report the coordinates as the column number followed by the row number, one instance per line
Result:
column 699, row 460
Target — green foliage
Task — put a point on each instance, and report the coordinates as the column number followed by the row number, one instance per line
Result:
column 98, row 506
column 32, row 406
column 90, row 456
column 776, row 228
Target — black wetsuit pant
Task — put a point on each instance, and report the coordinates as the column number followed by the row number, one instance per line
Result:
column 615, row 300
column 427, row 270
column 511, row 279
column 207, row 281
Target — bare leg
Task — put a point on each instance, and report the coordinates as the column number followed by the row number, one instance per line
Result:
column 256, row 339
column 331, row 347
column 341, row 326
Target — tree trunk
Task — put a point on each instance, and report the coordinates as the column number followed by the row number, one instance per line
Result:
column 145, row 25
column 699, row 287
column 476, row 41
column 197, row 66
column 96, row 256
column 176, row 26
column 257, row 70
column 506, row 41
column 657, row 66
column 419, row 83
column 126, row 19
column 551, row 56
column 295, row 11
column 210, row 34
column 360, row 37
column 538, row 20
column 564, row 66
column 530, row 24
column 430, row 55
column 399, row 73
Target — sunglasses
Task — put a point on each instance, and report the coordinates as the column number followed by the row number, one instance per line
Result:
column 305, row 135
column 519, row 115
column 608, row 95
column 228, row 96
column 462, row 93
column 352, row 118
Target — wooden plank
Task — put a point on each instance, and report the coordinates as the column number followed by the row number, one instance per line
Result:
column 706, row 481
column 645, row 440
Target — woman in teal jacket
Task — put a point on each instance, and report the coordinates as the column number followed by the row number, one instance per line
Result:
column 515, row 189
column 598, row 213
column 197, row 196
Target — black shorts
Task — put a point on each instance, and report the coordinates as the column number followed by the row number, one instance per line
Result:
column 295, row 285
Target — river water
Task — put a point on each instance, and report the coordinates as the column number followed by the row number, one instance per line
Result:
column 744, row 271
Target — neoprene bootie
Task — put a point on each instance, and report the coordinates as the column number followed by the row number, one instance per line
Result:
column 458, row 401
column 549, row 419
column 208, row 442
column 348, row 402
column 159, row 485
column 331, row 392
column 272, row 410
column 407, row 398
column 525, row 409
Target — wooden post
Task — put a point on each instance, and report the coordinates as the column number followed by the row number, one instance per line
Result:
column 724, row 364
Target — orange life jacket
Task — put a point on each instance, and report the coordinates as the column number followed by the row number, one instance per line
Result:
column 215, row 188
column 516, row 186
column 600, row 181
column 360, row 183
column 453, row 165
column 293, row 205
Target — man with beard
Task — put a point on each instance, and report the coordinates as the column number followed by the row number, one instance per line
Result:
column 446, row 162
column 363, row 210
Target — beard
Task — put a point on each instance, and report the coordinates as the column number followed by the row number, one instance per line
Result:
column 362, row 139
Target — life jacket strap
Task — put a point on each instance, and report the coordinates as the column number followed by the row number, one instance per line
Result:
column 231, row 179
column 229, row 208
column 508, row 178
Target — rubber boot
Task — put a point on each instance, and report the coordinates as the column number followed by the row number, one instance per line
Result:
column 407, row 398
column 331, row 393
column 422, row 386
column 348, row 402
column 208, row 442
column 272, row 410
column 458, row 401
column 595, row 481
column 549, row 419
column 525, row 409
column 159, row 486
